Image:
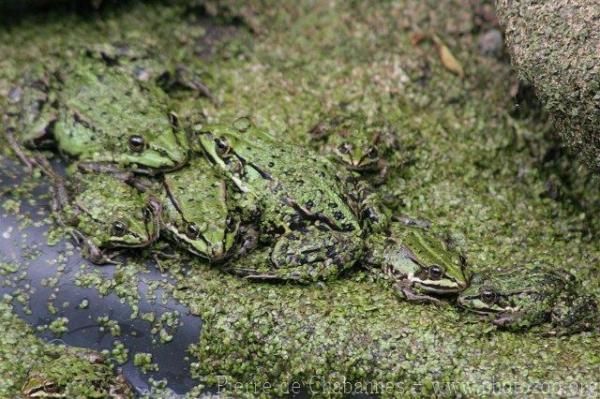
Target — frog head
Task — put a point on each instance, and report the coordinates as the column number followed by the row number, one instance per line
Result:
column 211, row 241
column 106, row 115
column 422, row 266
column 113, row 214
column 353, row 141
column 196, row 216
column 68, row 372
column 357, row 154
column 521, row 298
column 38, row 385
column 233, row 147
column 158, row 146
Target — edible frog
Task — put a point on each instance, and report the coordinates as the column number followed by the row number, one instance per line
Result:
column 422, row 265
column 103, row 212
column 361, row 146
column 196, row 213
column 65, row 372
column 520, row 299
column 93, row 111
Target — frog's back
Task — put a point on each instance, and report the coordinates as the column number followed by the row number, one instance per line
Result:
column 201, row 193
column 308, row 183
column 101, row 106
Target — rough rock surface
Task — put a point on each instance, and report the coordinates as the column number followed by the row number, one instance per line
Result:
column 556, row 46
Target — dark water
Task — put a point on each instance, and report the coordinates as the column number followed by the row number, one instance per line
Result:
column 17, row 245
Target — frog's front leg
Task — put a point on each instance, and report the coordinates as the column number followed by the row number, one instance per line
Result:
column 16, row 147
column 366, row 205
column 302, row 256
column 91, row 251
column 140, row 183
column 405, row 291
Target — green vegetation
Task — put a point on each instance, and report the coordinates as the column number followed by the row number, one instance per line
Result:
column 494, row 178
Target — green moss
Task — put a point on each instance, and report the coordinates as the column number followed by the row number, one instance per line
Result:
column 499, row 184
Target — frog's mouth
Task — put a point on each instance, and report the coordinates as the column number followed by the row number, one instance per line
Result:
column 437, row 287
column 474, row 304
column 444, row 284
column 151, row 227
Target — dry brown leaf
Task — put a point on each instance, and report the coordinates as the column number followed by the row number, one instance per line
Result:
column 448, row 59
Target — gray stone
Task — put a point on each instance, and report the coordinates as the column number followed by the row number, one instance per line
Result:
column 490, row 43
column 555, row 45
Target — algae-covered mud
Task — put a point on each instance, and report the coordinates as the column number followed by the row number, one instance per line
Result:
column 483, row 168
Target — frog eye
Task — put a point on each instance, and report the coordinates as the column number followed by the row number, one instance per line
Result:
column 148, row 213
column 222, row 144
column 372, row 152
column 436, row 272
column 174, row 120
column 488, row 295
column 118, row 228
column 136, row 143
column 344, row 148
column 192, row 231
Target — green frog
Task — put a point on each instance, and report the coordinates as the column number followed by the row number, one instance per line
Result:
column 361, row 146
column 421, row 264
column 311, row 219
column 286, row 184
column 521, row 299
column 65, row 372
column 103, row 212
column 196, row 214
column 94, row 111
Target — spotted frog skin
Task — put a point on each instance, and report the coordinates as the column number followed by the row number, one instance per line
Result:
column 421, row 265
column 196, row 214
column 316, row 227
column 287, row 193
column 94, row 111
column 103, row 212
column 286, row 184
column 361, row 146
column 549, row 301
column 74, row 372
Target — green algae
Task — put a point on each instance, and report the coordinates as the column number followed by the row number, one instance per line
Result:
column 23, row 356
column 498, row 183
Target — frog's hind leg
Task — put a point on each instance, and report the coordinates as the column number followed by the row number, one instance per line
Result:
column 573, row 314
column 91, row 252
column 302, row 257
column 17, row 148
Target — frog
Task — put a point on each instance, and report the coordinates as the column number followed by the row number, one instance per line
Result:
column 316, row 224
column 197, row 217
column 364, row 147
column 102, row 212
column 269, row 177
column 93, row 111
column 541, row 299
column 67, row 372
column 423, row 266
